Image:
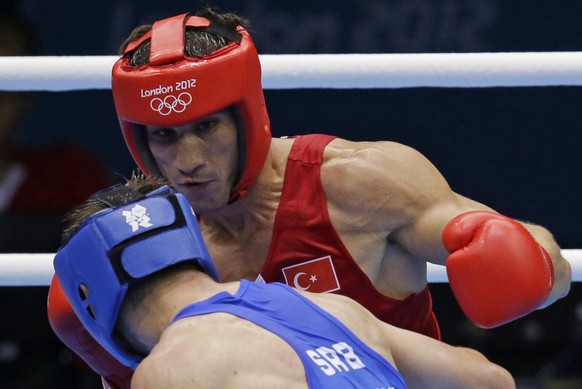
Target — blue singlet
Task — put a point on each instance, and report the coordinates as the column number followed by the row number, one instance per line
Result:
column 332, row 355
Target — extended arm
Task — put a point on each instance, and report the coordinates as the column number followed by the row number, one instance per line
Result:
column 484, row 251
column 427, row 363
column 499, row 269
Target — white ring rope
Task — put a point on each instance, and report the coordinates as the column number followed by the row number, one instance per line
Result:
column 37, row 269
column 335, row 71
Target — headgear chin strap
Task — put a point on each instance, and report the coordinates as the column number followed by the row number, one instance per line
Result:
column 175, row 89
column 115, row 247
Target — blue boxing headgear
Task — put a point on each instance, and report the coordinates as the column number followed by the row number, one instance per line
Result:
column 117, row 246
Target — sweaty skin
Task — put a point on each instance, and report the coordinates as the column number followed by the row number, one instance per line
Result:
column 387, row 202
column 246, row 355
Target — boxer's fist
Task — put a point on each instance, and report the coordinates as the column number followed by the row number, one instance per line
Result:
column 497, row 271
column 71, row 332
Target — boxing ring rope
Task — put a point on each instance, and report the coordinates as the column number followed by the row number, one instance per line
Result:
column 336, row 71
column 333, row 71
column 37, row 269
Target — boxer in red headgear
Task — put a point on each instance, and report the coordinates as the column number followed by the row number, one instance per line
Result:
column 316, row 212
column 175, row 89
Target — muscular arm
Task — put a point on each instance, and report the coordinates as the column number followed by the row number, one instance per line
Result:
column 427, row 363
column 392, row 189
column 424, row 236
column 423, row 361
column 394, row 194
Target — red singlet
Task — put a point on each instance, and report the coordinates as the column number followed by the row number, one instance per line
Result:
column 306, row 252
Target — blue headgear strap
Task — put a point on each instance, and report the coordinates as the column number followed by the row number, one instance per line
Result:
column 117, row 246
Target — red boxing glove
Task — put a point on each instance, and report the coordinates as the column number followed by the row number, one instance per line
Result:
column 497, row 271
column 71, row 332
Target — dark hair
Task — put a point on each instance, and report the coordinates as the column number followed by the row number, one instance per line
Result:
column 76, row 216
column 197, row 43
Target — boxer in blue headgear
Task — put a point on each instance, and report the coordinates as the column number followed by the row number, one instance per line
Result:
column 135, row 236
column 137, row 273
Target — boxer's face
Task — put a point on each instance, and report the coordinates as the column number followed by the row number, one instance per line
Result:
column 199, row 159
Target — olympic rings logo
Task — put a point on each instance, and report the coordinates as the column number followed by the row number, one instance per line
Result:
column 171, row 104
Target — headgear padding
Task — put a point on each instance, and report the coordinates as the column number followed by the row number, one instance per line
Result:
column 116, row 247
column 175, row 89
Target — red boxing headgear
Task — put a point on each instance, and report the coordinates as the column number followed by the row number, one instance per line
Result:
column 175, row 89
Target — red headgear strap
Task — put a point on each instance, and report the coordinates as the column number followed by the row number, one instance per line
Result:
column 175, row 89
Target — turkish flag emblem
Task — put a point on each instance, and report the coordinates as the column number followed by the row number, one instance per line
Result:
column 317, row 276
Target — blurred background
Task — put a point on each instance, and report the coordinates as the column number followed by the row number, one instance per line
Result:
column 516, row 149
